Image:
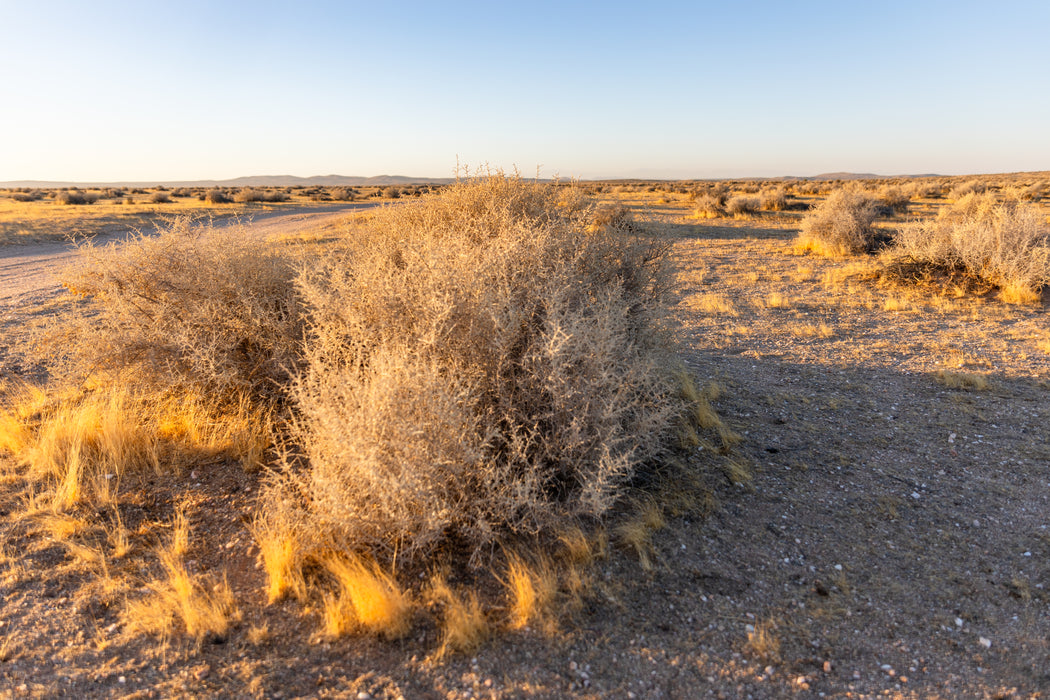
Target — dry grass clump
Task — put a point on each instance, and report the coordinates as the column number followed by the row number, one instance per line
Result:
column 464, row 622
column 180, row 603
column 961, row 380
column 212, row 308
column 483, row 360
column 160, row 197
column 82, row 444
column 1006, row 244
column 532, row 589
column 366, row 598
column 840, row 225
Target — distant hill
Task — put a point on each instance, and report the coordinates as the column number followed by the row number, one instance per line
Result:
column 250, row 181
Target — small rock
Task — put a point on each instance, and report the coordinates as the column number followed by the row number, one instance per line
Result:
column 827, row 667
column 958, row 622
column 986, row 643
column 122, row 679
column 915, row 495
column 363, row 696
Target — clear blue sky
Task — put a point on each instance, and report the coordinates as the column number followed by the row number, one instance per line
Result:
column 192, row 90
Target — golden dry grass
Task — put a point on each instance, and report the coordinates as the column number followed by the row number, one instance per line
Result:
column 178, row 602
column 962, row 380
column 464, row 624
column 366, row 598
column 81, row 444
column 532, row 589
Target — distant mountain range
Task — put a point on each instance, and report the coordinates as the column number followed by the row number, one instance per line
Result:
column 251, row 181
column 385, row 180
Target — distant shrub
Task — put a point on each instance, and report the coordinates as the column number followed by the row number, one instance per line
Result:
column 1006, row 244
column 216, row 196
column 1033, row 192
column 392, row 192
column 773, row 199
column 742, row 206
column 969, row 187
column 708, row 207
column 343, row 194
column 840, row 225
column 249, row 194
column 160, row 197
column 26, row 195
column 894, row 197
column 182, row 192
column 75, row 197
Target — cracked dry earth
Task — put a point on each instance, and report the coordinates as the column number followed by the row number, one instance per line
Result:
column 893, row 540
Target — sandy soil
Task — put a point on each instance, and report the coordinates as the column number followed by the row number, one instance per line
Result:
column 893, row 540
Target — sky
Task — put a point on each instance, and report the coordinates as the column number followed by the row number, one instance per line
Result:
column 150, row 91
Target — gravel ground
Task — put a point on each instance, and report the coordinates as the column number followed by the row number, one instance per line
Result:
column 893, row 539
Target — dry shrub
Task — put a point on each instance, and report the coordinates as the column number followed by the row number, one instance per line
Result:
column 742, row 206
column 773, row 199
column 214, row 308
column 962, row 189
column 248, row 194
column 708, row 207
column 75, row 197
column 160, row 197
column 216, row 196
column 840, row 225
column 1005, row 244
column 483, row 360
column 26, row 196
column 894, row 197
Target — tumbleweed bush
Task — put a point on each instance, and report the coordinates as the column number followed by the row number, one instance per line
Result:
column 840, row 225
column 210, row 307
column 1006, row 244
column 485, row 360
